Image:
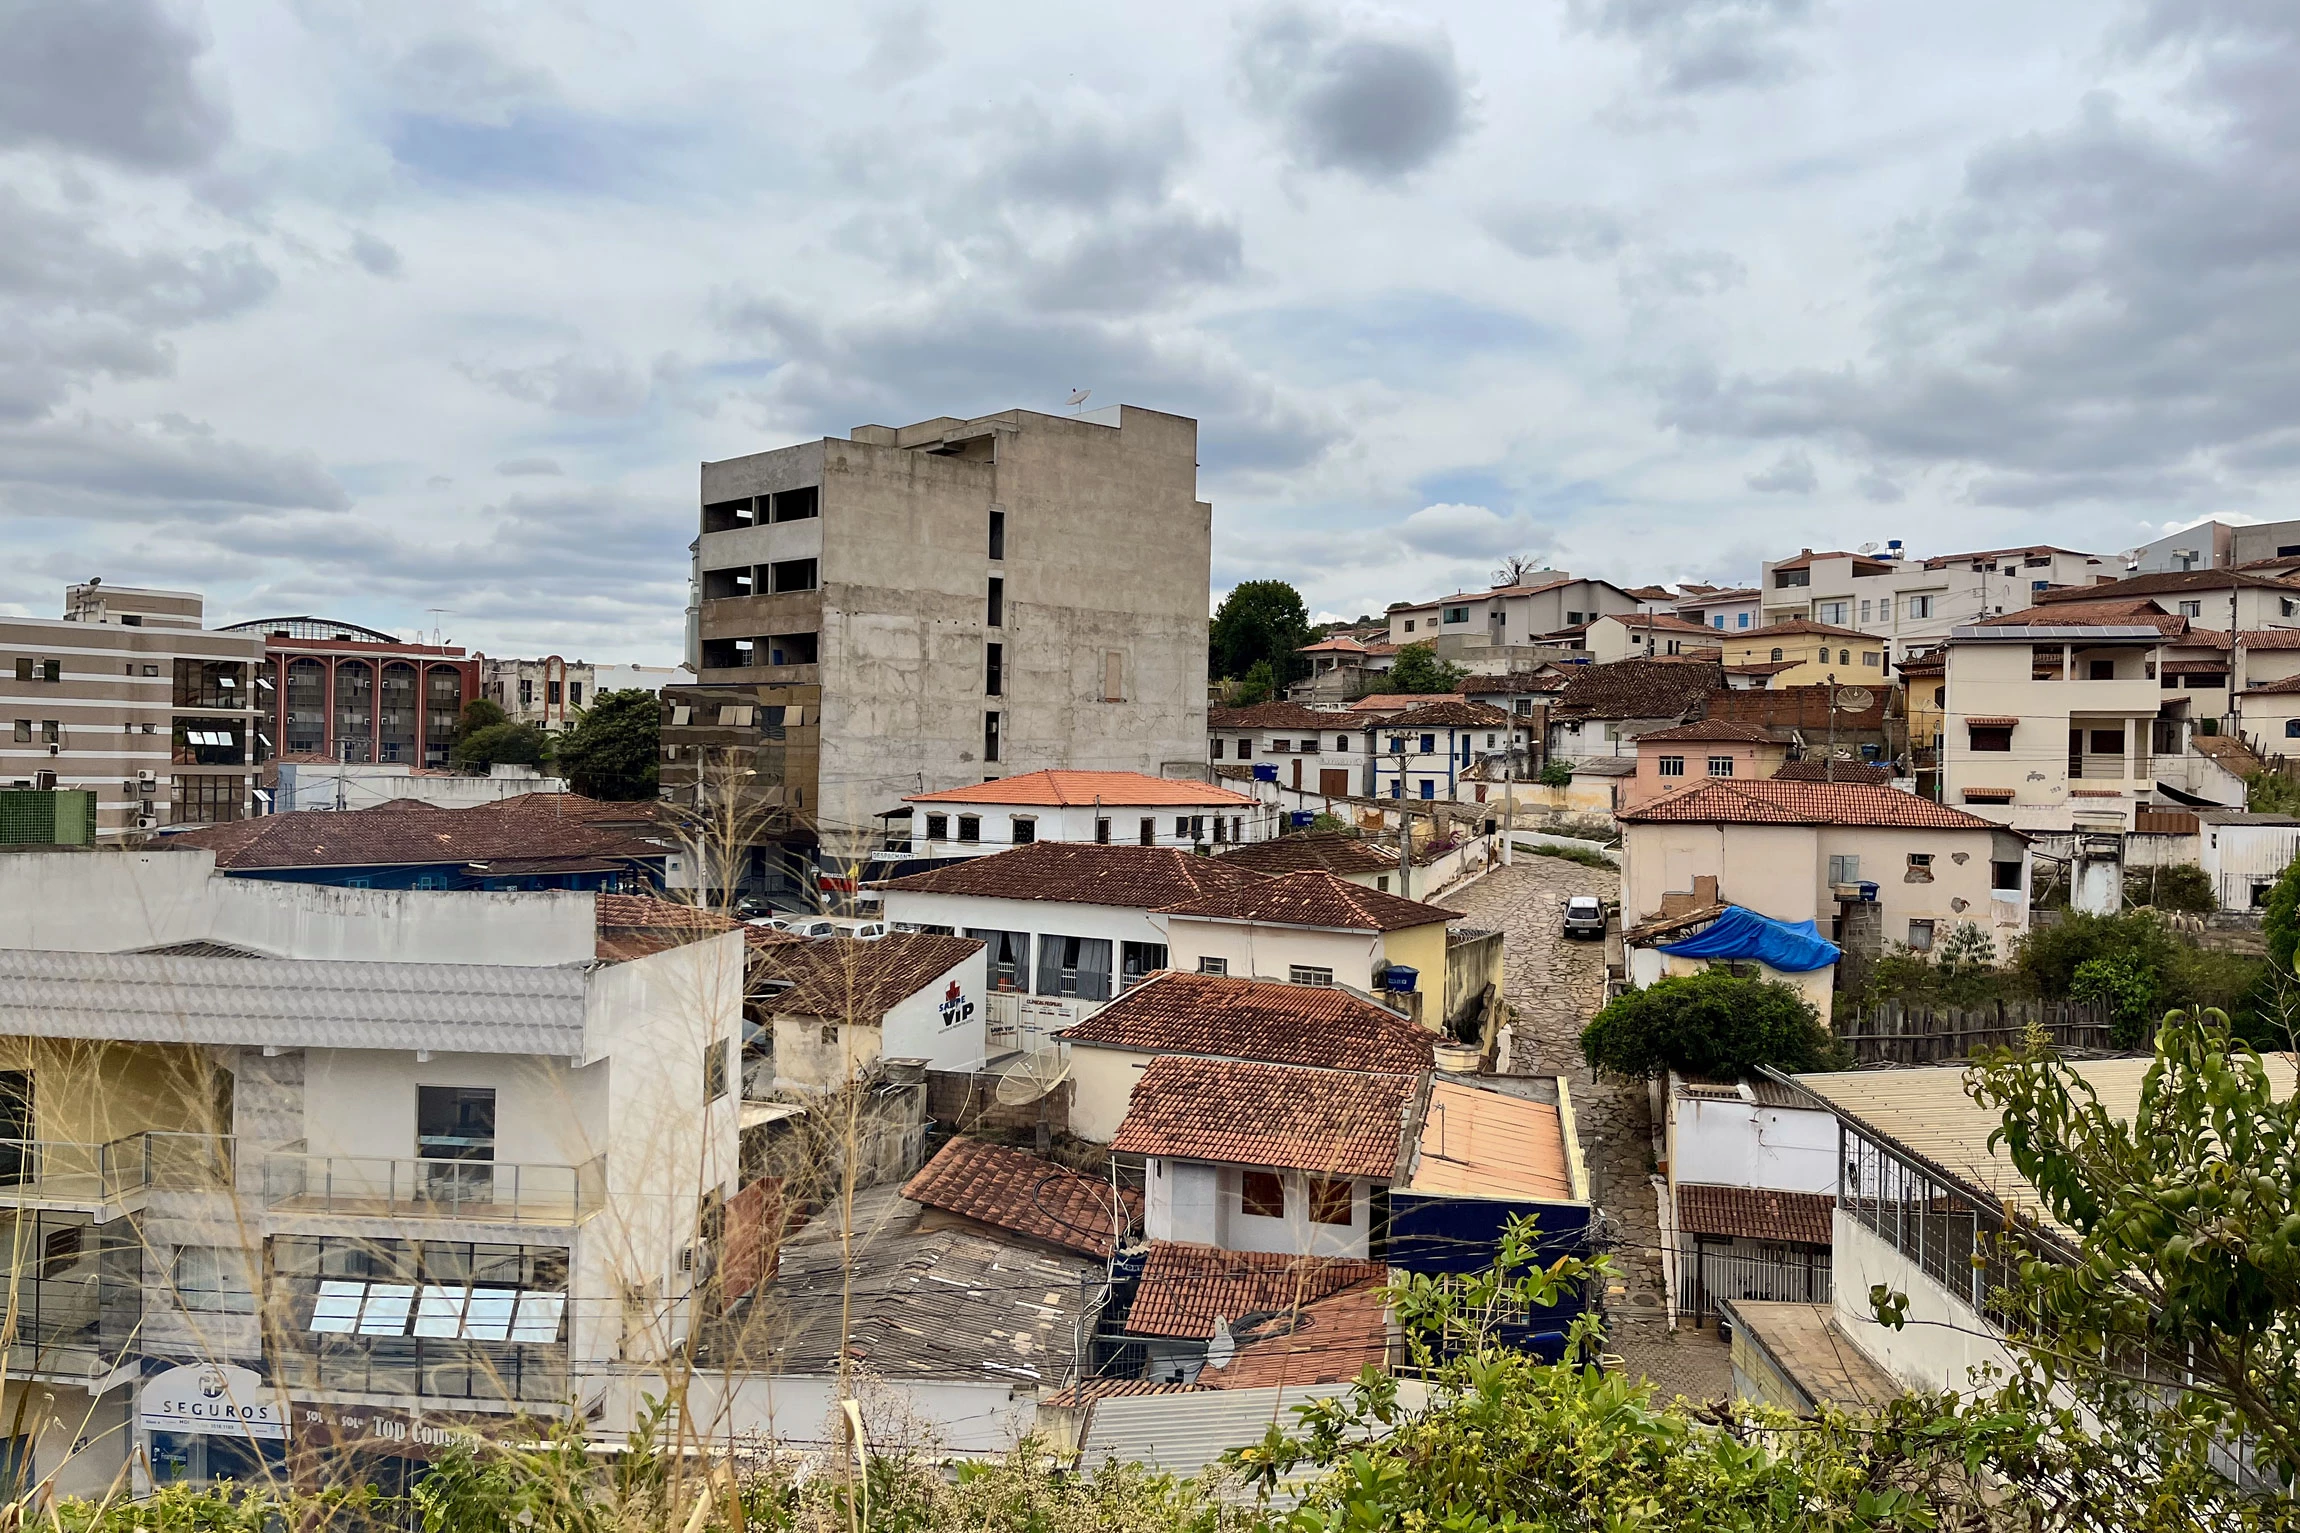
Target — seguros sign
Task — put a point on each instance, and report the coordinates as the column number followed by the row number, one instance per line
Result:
column 214, row 1400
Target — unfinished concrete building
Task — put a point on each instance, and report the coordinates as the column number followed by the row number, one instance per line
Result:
column 923, row 607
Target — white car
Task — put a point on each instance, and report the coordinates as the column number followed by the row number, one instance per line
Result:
column 1585, row 916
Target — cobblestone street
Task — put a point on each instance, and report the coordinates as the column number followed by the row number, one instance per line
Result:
column 1555, row 984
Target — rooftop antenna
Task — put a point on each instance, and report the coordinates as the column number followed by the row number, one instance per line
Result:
column 436, row 614
column 1076, row 403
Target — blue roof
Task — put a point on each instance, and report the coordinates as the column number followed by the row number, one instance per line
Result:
column 1793, row 947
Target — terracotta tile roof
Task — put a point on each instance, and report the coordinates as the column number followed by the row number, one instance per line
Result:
column 1932, row 662
column 1024, row 1193
column 1943, row 561
column 1331, row 850
column 1186, row 1288
column 2289, row 684
column 1805, row 560
column 1240, row 1112
column 1756, row 1213
column 1085, row 1391
column 1796, row 626
column 2193, row 668
column 1340, row 643
column 1083, row 873
column 1061, row 789
column 1279, row 716
column 1458, row 713
column 851, row 979
column 1988, row 795
column 2137, row 612
column 636, row 925
column 1313, row 1025
column 1763, row 667
column 1711, row 729
column 1639, row 689
column 1314, row 897
column 1846, row 771
column 1392, row 702
column 1534, row 589
column 1992, row 720
column 1331, row 1341
column 1550, row 678
column 1772, row 801
column 535, row 829
column 2163, row 581
column 2253, row 638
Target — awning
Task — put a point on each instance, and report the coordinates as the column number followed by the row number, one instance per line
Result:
column 1977, row 721
column 1793, row 947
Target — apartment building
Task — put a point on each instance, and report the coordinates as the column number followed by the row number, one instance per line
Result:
column 343, row 692
column 916, row 608
column 1914, row 603
column 128, row 697
column 2216, row 545
column 550, row 693
column 1799, row 652
column 1542, row 603
column 1732, row 610
column 344, row 1160
column 2222, row 599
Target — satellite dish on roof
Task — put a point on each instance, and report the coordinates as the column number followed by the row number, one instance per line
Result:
column 1077, row 399
column 1031, row 1077
column 1868, row 548
column 1853, row 700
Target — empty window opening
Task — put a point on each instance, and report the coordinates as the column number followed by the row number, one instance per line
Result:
column 1262, row 1194
column 990, row 737
column 998, row 534
column 791, row 575
column 996, row 616
column 797, row 505
column 994, row 670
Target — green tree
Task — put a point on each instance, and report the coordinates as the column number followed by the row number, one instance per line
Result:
column 1712, row 1024
column 1256, row 686
column 1555, row 773
column 1260, row 620
column 613, row 749
column 2185, row 1220
column 2280, row 921
column 479, row 714
column 2124, row 987
column 1418, row 669
column 501, row 745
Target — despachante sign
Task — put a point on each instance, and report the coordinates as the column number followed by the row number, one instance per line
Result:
column 213, row 1400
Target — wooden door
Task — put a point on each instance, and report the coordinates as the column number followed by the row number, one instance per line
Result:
column 1334, row 782
column 1297, row 772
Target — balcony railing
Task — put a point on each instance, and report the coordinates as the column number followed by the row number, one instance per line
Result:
column 74, row 1294
column 491, row 1191
column 2110, row 768
column 84, row 1175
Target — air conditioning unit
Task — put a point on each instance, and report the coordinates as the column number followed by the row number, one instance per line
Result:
column 687, row 1260
column 146, row 779
column 44, row 781
column 147, row 822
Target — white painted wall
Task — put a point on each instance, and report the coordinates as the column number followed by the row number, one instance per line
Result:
column 1944, row 1340
column 1240, row 822
column 361, row 1102
column 919, row 1028
column 2239, row 858
column 1183, row 1202
column 800, row 1412
column 1102, row 1088
column 120, row 901
column 315, row 786
column 1269, row 952
column 1740, row 1144
column 964, row 912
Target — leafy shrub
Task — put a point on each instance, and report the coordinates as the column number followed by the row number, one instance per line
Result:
column 2049, row 955
column 1711, row 1024
column 1554, row 773
column 2280, row 921
column 2185, row 887
column 1587, row 857
column 2124, row 987
column 1967, row 949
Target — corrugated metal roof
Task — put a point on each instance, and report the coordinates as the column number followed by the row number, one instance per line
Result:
column 1183, row 1434
column 1927, row 1111
column 292, row 1003
column 1487, row 1144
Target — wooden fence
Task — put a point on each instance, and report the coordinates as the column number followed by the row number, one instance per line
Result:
column 1894, row 1034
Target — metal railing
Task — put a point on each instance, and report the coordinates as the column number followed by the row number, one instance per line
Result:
column 1709, row 1274
column 80, row 1173
column 488, row 1190
column 2110, row 768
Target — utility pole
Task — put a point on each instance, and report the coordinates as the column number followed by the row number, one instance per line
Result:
column 1829, row 771
column 1405, row 829
column 1509, row 795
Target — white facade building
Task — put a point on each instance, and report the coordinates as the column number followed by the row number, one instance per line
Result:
column 1108, row 808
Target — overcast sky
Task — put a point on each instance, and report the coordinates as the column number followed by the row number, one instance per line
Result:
column 367, row 310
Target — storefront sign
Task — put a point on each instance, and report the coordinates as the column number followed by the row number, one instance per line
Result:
column 321, row 1428
column 212, row 1400
column 956, row 1008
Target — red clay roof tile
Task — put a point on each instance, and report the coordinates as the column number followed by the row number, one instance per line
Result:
column 1239, row 1112
column 1024, row 1193
column 1312, row 1025
column 1185, row 1288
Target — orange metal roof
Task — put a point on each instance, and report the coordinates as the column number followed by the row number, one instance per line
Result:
column 1059, row 789
column 1492, row 1145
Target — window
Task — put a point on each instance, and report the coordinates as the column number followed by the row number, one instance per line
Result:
column 1844, row 657
column 1025, row 829
column 797, row 505
column 714, row 1069
column 2100, row 670
column 1137, row 961
column 575, row 694
column 1331, row 1201
column 1181, row 827
column 1865, row 612
column 1776, row 657
column 1306, row 974
column 455, row 1122
column 1214, row 747
column 526, row 692
column 2286, row 606
column 996, row 618
column 2107, row 742
column 214, row 1280
column 1208, row 965
column 791, row 648
column 209, row 800
column 1341, row 742
column 1429, row 745
column 1429, row 787
column 1920, row 936
column 1844, row 870
column 1920, row 868
column 1280, row 747
column 1670, row 766
column 2040, row 585
column 1457, row 614
column 2291, row 729
column 1113, row 676
column 1830, row 612
column 1720, row 766
column 829, row 1036
column 792, row 575
column 990, row 737
column 1744, row 621
column 1076, row 966
column 2192, row 609
column 1783, row 579
column 1262, row 1194
column 208, row 742
column 1237, row 827
column 938, row 827
column 1197, row 827
column 1920, row 606
column 1409, row 625
column 1576, row 619
column 1717, row 620
column 1007, row 956
column 1871, row 658
column 551, row 691
column 998, row 534
column 1148, row 834
column 211, row 684
column 993, row 670
column 2004, row 877
column 1221, row 830
column 1245, row 749
column 1101, row 831
column 1991, row 737
column 969, row 827
column 24, row 731
column 51, row 732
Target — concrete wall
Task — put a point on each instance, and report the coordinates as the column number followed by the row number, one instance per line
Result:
column 1219, row 823
column 962, row 912
column 967, row 1418
column 1996, row 680
column 315, row 785
column 1102, row 1087
column 1740, row 1144
column 2243, row 859
column 1943, row 1342
column 1204, row 1204
column 117, row 902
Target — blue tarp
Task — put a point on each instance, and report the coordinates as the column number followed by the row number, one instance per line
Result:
column 1793, row 947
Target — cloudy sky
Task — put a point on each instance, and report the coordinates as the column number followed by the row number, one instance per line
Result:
column 375, row 309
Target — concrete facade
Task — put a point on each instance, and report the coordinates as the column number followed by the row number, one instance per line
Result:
column 2051, row 733
column 1506, row 616
column 550, row 693
column 128, row 696
column 1914, row 603
column 949, row 602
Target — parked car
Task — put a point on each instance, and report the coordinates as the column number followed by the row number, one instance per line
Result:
column 1585, row 916
column 804, row 926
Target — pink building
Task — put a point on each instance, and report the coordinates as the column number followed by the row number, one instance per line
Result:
column 1671, row 758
